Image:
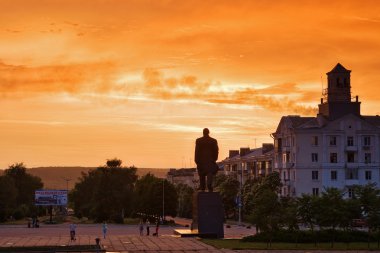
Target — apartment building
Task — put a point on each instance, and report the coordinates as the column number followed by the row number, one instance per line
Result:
column 249, row 163
column 339, row 147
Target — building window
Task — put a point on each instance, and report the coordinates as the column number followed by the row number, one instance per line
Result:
column 350, row 157
column 314, row 140
column 352, row 174
column 314, row 175
column 333, row 157
column 368, row 175
column 314, row 157
column 285, row 177
column 350, row 193
column 367, row 157
column 285, row 157
column 294, row 175
column 334, row 175
column 367, row 140
column 332, row 140
column 350, row 141
column 315, row 191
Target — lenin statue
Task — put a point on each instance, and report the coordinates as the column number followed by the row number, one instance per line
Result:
column 206, row 155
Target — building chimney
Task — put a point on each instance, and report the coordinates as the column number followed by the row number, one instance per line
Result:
column 233, row 153
column 244, row 151
column 266, row 147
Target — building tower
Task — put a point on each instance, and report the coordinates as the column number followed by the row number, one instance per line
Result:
column 338, row 95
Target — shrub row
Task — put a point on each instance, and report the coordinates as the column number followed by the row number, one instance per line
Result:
column 311, row 237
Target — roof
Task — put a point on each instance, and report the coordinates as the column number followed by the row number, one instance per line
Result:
column 339, row 69
column 298, row 120
column 374, row 120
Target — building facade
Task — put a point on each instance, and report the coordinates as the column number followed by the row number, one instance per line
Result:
column 338, row 147
column 183, row 176
column 249, row 163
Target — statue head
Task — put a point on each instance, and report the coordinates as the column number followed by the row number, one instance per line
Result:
column 206, row 132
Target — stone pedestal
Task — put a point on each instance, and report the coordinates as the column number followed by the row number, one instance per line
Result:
column 208, row 214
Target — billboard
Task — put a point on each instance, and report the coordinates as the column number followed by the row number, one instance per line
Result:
column 50, row 198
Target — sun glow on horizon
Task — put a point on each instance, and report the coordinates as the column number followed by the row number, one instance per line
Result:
column 139, row 80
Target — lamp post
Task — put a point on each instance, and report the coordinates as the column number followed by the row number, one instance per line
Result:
column 163, row 200
column 67, row 183
column 67, row 189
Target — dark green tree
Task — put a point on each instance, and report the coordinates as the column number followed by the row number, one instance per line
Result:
column 105, row 193
column 369, row 198
column 266, row 207
column 150, row 192
column 185, row 200
column 26, row 185
column 8, row 195
column 307, row 209
column 228, row 188
column 331, row 209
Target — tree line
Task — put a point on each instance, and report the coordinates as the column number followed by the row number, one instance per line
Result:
column 108, row 193
column 328, row 213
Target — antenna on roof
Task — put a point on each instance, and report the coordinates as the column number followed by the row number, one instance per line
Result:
column 322, row 84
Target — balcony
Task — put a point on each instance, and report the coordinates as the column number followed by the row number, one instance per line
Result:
column 287, row 165
column 352, row 148
column 352, row 165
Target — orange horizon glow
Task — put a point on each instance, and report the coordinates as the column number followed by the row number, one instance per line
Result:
column 86, row 81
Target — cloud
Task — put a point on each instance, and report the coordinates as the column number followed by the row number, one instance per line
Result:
column 101, row 78
column 188, row 87
column 73, row 78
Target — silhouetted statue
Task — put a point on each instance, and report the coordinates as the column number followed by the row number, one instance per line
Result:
column 206, row 154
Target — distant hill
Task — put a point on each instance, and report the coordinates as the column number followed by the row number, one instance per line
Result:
column 54, row 177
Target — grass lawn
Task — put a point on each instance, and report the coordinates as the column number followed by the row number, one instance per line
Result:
column 238, row 244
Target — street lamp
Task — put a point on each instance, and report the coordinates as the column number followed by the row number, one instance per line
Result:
column 163, row 200
column 67, row 183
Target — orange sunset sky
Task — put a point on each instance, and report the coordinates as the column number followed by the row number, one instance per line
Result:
column 84, row 81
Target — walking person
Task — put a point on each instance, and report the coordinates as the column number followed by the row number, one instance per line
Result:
column 104, row 229
column 147, row 226
column 157, row 227
column 141, row 227
column 73, row 228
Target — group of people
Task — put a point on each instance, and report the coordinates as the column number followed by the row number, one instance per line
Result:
column 147, row 226
column 33, row 223
column 73, row 228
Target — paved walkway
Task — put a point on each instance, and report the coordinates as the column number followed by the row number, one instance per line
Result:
column 121, row 239
column 133, row 243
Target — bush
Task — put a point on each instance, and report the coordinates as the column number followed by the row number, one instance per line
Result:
column 310, row 237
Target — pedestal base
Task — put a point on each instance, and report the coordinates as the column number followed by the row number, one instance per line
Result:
column 208, row 214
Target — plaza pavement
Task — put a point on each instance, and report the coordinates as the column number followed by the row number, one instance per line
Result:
column 121, row 238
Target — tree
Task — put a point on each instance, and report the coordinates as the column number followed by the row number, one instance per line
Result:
column 228, row 188
column 331, row 209
column 25, row 185
column 8, row 195
column 369, row 198
column 307, row 210
column 266, row 207
column 150, row 192
column 185, row 200
column 105, row 193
